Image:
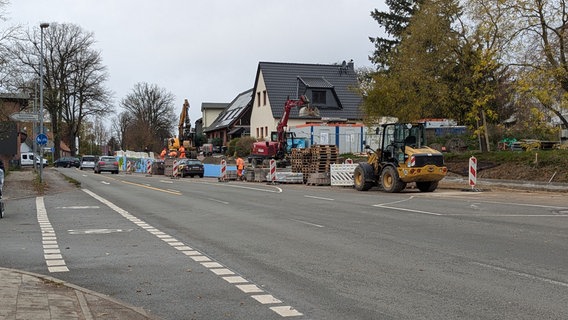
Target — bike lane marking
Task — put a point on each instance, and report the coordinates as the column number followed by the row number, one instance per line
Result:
column 51, row 253
column 215, row 267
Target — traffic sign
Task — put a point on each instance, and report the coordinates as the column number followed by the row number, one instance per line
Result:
column 41, row 139
column 24, row 117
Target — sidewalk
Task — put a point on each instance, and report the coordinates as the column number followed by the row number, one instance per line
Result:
column 25, row 295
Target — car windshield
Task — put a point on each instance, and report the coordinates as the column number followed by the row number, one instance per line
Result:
column 107, row 159
column 88, row 158
column 193, row 162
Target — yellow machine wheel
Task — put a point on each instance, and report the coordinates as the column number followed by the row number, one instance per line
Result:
column 390, row 180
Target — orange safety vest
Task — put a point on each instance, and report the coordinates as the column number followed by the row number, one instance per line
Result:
column 240, row 164
column 182, row 152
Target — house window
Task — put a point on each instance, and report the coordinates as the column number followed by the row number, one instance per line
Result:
column 318, row 96
column 262, row 133
column 264, row 97
column 257, row 132
column 266, row 130
column 258, row 98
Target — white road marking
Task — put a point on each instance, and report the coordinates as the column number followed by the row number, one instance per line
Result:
column 79, row 207
column 249, row 288
column 308, row 223
column 319, row 198
column 104, row 182
column 278, row 190
column 286, row 311
column 408, row 210
column 165, row 181
column 215, row 200
column 522, row 274
column 235, row 279
column 215, row 267
column 98, row 231
column 51, row 253
column 266, row 299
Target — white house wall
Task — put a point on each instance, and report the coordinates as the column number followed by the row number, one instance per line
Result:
column 261, row 115
column 209, row 116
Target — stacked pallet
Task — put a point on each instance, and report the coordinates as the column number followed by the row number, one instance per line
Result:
column 323, row 156
column 313, row 160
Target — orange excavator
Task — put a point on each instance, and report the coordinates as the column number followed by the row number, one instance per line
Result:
column 185, row 136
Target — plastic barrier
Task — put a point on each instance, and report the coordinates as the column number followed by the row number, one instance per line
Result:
column 223, row 176
column 472, row 172
column 342, row 174
column 272, row 171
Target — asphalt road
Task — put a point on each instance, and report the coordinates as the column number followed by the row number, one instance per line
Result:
column 202, row 249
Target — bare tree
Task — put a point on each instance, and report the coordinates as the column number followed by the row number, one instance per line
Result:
column 151, row 109
column 74, row 77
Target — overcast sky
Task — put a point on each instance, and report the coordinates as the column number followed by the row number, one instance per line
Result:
column 208, row 51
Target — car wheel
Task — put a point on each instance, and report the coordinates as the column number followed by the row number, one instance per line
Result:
column 201, row 176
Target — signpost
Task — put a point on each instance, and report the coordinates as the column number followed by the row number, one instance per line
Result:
column 24, row 117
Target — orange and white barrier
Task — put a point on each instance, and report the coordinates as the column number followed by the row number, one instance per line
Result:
column 223, row 176
column 128, row 167
column 272, row 170
column 175, row 169
column 472, row 172
column 149, row 168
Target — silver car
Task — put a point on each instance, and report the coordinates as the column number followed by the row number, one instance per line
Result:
column 106, row 163
column 88, row 162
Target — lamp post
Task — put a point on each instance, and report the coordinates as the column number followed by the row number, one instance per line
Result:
column 42, row 26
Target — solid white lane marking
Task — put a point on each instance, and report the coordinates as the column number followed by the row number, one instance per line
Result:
column 286, row 311
column 79, row 207
column 522, row 274
column 307, row 223
column 319, row 198
column 266, row 299
column 51, row 253
column 215, row 267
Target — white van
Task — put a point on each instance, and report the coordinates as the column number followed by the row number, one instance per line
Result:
column 27, row 159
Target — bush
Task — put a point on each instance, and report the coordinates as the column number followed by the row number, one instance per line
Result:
column 241, row 146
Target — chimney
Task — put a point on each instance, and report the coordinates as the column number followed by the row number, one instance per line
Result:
column 351, row 65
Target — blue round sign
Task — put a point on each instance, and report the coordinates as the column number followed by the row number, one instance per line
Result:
column 41, row 139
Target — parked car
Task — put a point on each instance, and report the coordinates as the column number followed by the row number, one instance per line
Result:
column 88, row 162
column 106, row 163
column 191, row 167
column 67, row 162
column 27, row 159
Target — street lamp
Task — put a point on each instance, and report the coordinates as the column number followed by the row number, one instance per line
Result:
column 42, row 26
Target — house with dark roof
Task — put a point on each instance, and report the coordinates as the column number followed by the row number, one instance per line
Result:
column 330, row 88
column 233, row 121
column 210, row 111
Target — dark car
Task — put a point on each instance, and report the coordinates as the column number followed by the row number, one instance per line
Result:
column 191, row 167
column 67, row 162
column 106, row 163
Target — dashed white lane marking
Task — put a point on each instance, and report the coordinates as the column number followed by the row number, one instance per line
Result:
column 217, row 268
column 319, row 198
column 308, row 223
column 216, row 200
column 522, row 274
column 51, row 253
column 79, row 207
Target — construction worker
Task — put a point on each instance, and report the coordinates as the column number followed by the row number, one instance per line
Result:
column 173, row 153
column 240, row 167
column 181, row 152
column 163, row 153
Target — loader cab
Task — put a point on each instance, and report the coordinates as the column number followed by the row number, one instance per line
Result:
column 396, row 137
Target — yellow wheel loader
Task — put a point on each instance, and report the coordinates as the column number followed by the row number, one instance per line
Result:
column 401, row 158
